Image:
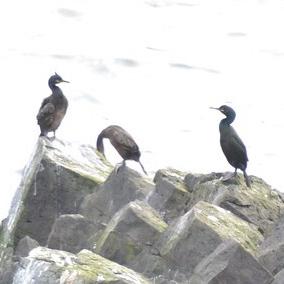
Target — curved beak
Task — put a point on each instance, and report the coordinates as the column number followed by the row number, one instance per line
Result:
column 214, row 108
column 64, row 81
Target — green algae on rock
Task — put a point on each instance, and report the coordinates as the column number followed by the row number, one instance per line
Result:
column 54, row 182
column 45, row 265
column 132, row 228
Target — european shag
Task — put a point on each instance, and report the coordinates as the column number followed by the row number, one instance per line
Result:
column 231, row 144
column 53, row 108
column 122, row 142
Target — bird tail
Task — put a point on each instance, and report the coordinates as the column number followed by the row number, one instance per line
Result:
column 142, row 168
column 247, row 180
column 100, row 144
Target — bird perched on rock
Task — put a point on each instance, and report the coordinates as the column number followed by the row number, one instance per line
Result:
column 122, row 142
column 231, row 144
column 53, row 108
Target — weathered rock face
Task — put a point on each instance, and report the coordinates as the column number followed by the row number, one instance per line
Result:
column 74, row 220
column 279, row 277
column 119, row 189
column 171, row 194
column 46, row 266
column 55, row 182
column 71, row 232
column 227, row 264
column 25, row 245
column 131, row 229
column 197, row 233
column 272, row 249
column 259, row 205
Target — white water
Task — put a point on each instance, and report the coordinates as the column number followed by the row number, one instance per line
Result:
column 153, row 67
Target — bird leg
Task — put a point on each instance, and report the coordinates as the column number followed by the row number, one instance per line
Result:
column 118, row 166
column 247, row 180
column 143, row 168
column 54, row 137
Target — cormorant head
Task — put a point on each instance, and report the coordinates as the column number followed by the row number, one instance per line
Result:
column 226, row 110
column 56, row 79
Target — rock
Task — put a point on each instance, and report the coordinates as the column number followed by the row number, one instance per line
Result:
column 192, row 237
column 70, row 200
column 229, row 263
column 259, row 205
column 49, row 188
column 279, row 278
column 170, row 195
column 119, row 189
column 25, row 245
column 72, row 233
column 272, row 249
column 7, row 266
column 132, row 228
column 47, row 266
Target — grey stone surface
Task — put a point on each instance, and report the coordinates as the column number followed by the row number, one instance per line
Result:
column 259, row 205
column 230, row 263
column 25, row 245
column 279, row 277
column 170, row 196
column 272, row 248
column 120, row 188
column 7, row 265
column 72, row 233
column 47, row 266
column 69, row 199
column 132, row 228
column 192, row 237
column 55, row 181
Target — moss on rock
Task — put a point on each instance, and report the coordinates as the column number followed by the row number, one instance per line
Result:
column 229, row 226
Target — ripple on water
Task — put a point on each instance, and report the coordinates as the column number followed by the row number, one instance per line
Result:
column 69, row 13
column 126, row 62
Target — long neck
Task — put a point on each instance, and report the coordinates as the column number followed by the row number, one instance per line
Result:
column 100, row 144
column 55, row 89
column 229, row 118
column 226, row 122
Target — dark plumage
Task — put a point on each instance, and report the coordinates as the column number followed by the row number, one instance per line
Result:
column 53, row 108
column 122, row 142
column 231, row 144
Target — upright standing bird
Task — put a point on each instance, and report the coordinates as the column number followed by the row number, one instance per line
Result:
column 53, row 108
column 231, row 144
column 122, row 142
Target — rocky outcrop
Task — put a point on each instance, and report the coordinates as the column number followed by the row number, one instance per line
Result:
column 170, row 196
column 272, row 249
column 119, row 189
column 25, row 245
column 131, row 229
column 46, row 266
column 55, row 181
column 71, row 232
column 229, row 263
column 191, row 238
column 259, row 205
column 75, row 220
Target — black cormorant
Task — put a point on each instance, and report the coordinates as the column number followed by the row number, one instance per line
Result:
column 53, row 108
column 122, row 142
column 231, row 144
